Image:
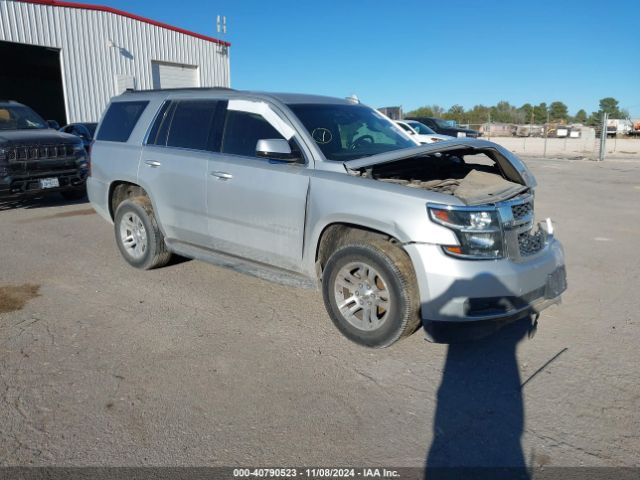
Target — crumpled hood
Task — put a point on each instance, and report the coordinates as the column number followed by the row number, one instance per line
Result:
column 44, row 136
column 456, row 143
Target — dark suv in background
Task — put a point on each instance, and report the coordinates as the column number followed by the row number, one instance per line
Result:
column 85, row 131
column 36, row 159
column 442, row 127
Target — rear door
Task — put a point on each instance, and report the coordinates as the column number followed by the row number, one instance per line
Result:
column 256, row 206
column 174, row 166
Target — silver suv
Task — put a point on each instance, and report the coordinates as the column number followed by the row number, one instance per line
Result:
column 328, row 192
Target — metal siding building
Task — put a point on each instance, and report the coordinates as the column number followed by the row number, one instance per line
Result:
column 98, row 52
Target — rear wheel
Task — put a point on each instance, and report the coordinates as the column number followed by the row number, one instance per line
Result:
column 370, row 293
column 138, row 236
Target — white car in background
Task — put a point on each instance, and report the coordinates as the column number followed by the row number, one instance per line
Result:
column 420, row 132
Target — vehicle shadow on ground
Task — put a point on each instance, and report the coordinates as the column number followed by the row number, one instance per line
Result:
column 29, row 203
column 177, row 260
column 479, row 416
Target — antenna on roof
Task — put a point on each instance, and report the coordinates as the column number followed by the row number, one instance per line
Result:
column 221, row 24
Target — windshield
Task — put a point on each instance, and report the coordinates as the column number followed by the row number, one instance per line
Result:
column 442, row 123
column 19, row 117
column 347, row 132
column 405, row 127
column 421, row 128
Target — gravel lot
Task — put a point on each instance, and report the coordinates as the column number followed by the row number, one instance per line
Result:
column 101, row 364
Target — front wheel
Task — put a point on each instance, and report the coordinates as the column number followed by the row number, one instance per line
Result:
column 138, row 236
column 370, row 293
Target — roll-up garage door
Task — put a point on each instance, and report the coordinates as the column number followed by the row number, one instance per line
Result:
column 173, row 75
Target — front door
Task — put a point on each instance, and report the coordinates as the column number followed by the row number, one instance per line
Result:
column 256, row 206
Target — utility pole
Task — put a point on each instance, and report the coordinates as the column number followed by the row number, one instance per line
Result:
column 489, row 129
column 546, row 134
column 524, row 140
column 531, row 124
column 603, row 136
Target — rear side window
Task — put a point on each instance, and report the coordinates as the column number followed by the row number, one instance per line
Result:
column 120, row 120
column 158, row 132
column 242, row 131
column 191, row 124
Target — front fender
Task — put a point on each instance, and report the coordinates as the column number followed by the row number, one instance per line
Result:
column 390, row 209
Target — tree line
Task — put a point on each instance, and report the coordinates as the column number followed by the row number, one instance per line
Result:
column 504, row 112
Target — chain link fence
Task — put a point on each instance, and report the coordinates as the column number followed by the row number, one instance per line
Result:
column 560, row 141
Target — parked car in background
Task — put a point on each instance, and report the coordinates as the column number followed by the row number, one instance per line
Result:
column 330, row 193
column 36, row 159
column 442, row 127
column 420, row 132
column 85, row 131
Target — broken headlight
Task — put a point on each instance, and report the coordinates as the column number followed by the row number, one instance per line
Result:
column 478, row 231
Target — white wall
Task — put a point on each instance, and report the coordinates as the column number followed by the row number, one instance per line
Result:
column 92, row 69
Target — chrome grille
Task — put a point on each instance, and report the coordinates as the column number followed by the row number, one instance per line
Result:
column 521, row 211
column 530, row 243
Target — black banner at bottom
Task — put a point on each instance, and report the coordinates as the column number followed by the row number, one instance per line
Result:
column 317, row 473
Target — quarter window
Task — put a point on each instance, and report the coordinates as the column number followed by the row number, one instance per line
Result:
column 120, row 120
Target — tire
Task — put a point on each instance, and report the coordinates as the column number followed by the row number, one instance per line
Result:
column 135, row 220
column 75, row 194
column 395, row 307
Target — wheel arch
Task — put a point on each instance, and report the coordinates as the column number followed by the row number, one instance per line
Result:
column 335, row 234
column 120, row 190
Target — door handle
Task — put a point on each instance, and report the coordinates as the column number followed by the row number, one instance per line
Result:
column 222, row 175
column 152, row 163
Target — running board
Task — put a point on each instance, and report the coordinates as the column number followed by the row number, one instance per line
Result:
column 259, row 270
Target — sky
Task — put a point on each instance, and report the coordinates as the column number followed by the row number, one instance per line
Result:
column 413, row 53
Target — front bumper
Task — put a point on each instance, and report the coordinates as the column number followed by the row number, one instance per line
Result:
column 457, row 290
column 17, row 186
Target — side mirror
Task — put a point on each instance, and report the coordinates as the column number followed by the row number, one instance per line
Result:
column 277, row 149
column 53, row 124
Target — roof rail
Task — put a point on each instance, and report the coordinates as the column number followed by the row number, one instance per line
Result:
column 196, row 89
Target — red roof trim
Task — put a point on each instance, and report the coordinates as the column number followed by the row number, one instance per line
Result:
column 101, row 8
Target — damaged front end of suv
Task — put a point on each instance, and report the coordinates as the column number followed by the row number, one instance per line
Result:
column 501, row 263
